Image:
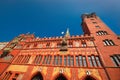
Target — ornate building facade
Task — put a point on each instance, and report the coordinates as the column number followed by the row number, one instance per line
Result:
column 95, row 55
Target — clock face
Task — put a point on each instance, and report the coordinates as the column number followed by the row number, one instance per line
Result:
column 77, row 44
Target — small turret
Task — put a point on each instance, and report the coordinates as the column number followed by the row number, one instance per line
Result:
column 67, row 33
column 64, row 41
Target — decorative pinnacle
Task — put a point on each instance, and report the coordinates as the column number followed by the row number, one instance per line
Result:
column 67, row 33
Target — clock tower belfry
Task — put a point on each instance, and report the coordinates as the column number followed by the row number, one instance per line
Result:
column 106, row 42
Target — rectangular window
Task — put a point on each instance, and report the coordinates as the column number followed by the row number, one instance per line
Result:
column 23, row 59
column 65, row 61
column 101, row 33
column 49, row 59
column 108, row 42
column 44, row 59
column 116, row 60
column 94, row 61
column 80, row 61
column 111, row 42
column 7, row 76
column 104, row 43
column 60, row 60
column 98, row 61
column 38, row 59
column 56, row 60
column 84, row 61
column 68, row 60
column 26, row 59
column 77, row 61
column 72, row 60
column 18, row 60
column 90, row 61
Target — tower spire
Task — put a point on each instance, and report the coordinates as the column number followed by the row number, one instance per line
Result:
column 67, row 33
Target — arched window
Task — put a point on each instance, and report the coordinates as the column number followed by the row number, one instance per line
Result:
column 38, row 76
column 61, row 77
column 89, row 78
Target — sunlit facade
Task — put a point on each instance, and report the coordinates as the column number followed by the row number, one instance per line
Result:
column 95, row 55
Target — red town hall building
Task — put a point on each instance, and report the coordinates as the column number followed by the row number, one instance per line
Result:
column 95, row 55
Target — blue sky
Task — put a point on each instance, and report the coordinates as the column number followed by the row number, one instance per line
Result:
column 51, row 17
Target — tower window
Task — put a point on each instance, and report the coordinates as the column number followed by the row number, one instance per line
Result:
column 116, row 60
column 101, row 33
column 97, row 27
column 107, row 42
column 94, row 22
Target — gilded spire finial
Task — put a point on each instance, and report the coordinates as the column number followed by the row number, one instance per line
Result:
column 67, row 33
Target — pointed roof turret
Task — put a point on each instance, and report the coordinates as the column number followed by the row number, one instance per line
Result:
column 64, row 41
column 67, row 33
